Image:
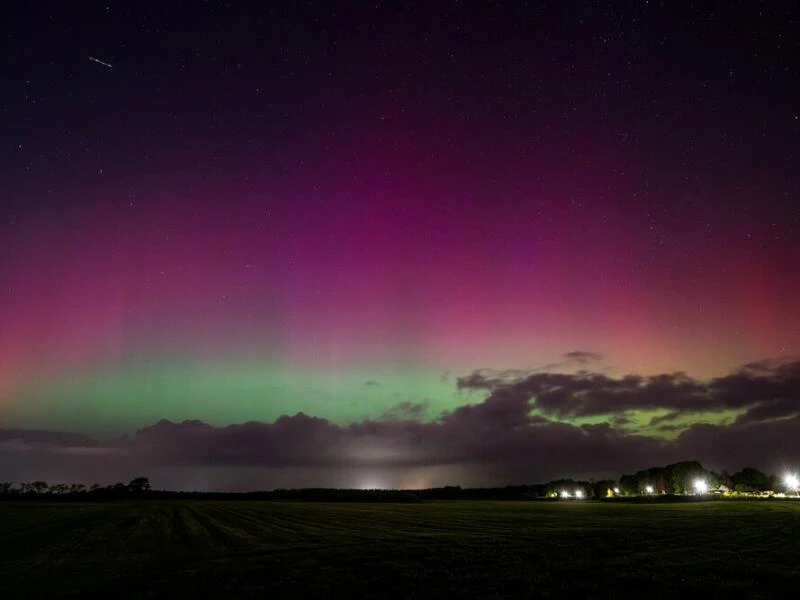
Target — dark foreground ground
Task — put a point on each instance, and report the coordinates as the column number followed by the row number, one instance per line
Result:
column 164, row 549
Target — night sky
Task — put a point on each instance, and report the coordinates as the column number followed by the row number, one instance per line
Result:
column 403, row 244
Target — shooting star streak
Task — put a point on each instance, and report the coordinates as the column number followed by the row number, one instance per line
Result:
column 100, row 62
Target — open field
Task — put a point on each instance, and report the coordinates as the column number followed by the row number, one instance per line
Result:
column 479, row 549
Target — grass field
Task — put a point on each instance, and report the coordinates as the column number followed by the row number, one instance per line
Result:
column 476, row 549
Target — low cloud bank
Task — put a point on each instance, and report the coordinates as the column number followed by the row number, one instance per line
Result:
column 516, row 434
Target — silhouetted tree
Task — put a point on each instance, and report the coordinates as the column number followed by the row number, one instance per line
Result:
column 139, row 485
column 775, row 482
column 751, row 480
column 5, row 487
column 38, row 486
column 681, row 476
column 600, row 489
column 629, row 485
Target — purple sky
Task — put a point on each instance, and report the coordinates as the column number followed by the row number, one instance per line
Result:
column 383, row 217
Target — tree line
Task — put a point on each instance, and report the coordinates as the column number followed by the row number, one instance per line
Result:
column 139, row 486
column 677, row 479
column 680, row 478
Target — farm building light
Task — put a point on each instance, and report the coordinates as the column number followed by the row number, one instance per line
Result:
column 649, row 489
column 564, row 494
column 579, row 493
column 700, row 486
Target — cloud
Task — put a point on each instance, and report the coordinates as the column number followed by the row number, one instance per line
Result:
column 570, row 361
column 37, row 437
column 297, row 440
column 583, row 358
column 765, row 390
column 520, row 432
column 405, row 411
column 772, row 445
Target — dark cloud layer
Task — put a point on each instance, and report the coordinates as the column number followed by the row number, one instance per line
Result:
column 36, row 437
column 582, row 357
column 516, row 434
column 764, row 390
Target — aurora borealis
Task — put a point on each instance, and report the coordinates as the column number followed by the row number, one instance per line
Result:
column 352, row 212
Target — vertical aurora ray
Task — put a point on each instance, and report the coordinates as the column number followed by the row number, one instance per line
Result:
column 292, row 212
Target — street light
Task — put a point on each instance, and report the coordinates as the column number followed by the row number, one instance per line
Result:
column 579, row 494
column 564, row 494
column 792, row 482
column 649, row 489
column 700, row 486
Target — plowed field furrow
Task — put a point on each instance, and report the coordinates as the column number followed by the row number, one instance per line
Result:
column 242, row 549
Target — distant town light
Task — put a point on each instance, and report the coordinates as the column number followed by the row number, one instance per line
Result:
column 579, row 493
column 649, row 489
column 564, row 494
column 700, row 486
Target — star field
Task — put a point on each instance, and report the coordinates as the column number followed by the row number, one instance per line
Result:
column 243, row 212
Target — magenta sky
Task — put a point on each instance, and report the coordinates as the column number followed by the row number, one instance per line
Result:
column 337, row 210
